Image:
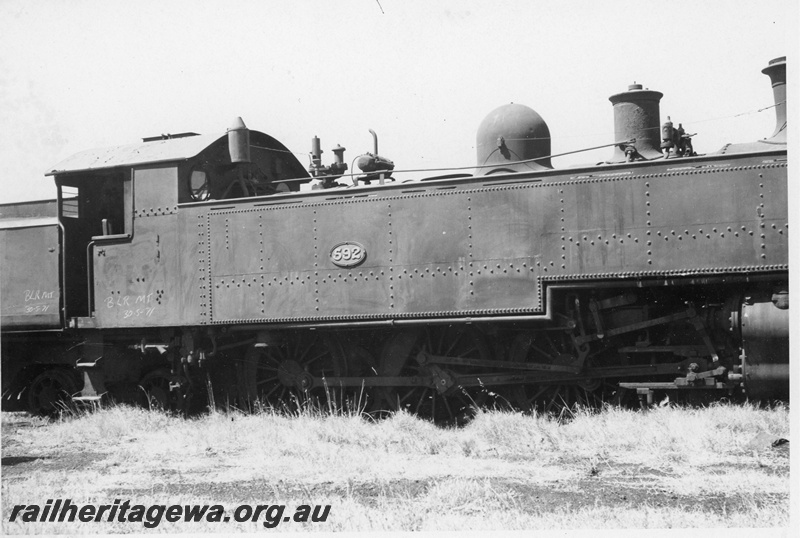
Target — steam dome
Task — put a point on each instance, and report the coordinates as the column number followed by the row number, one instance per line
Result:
column 512, row 133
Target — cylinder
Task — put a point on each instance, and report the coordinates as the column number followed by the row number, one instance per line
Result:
column 637, row 115
column 765, row 343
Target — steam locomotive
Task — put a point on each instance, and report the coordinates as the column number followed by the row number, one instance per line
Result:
column 193, row 269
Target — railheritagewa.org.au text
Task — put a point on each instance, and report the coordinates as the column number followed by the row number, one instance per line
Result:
column 151, row 516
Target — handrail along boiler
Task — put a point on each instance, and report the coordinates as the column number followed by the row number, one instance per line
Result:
column 185, row 259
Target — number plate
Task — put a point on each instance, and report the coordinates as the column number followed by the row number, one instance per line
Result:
column 348, row 254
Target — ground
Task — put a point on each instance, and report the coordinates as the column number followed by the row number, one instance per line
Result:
column 666, row 468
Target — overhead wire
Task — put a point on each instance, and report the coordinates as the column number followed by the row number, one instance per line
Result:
column 511, row 163
column 690, row 122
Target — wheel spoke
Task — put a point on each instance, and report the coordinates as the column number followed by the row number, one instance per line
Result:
column 468, row 352
column 318, row 357
column 454, row 342
column 542, row 352
column 447, row 406
column 266, row 380
column 404, row 398
column 301, row 357
column 462, row 342
column 421, row 397
column 275, row 374
column 552, row 345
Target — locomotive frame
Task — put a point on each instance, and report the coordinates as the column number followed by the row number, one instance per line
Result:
column 188, row 258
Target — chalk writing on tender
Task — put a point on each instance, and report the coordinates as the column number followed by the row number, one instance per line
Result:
column 38, row 295
column 33, row 298
column 133, row 306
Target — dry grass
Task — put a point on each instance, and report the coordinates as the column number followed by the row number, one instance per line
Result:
column 667, row 468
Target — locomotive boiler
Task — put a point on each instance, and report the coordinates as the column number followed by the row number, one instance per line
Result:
column 191, row 269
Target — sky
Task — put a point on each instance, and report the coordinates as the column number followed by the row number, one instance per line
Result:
column 80, row 74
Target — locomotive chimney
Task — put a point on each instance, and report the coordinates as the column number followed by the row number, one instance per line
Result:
column 636, row 115
column 776, row 70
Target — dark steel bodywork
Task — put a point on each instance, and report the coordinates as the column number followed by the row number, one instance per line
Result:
column 656, row 271
column 30, row 293
column 478, row 248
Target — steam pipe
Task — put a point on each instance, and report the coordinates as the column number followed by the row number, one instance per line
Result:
column 375, row 139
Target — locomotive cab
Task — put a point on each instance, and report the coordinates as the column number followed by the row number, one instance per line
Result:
column 118, row 208
column 92, row 206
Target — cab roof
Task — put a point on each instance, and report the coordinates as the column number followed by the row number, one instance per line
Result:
column 159, row 150
column 154, row 151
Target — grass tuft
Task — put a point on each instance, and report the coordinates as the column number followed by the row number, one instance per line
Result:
column 669, row 467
